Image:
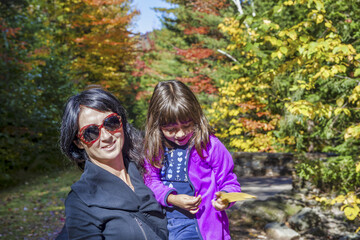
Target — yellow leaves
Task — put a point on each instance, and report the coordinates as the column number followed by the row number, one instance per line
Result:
column 304, row 38
column 259, row 143
column 350, row 207
column 235, row 196
column 338, row 111
column 232, row 27
column 352, row 132
column 269, row 25
column 340, row 102
column 338, row 199
column 273, row 40
column 323, row 200
column 292, row 35
column 277, row 54
column 284, row 50
column 357, row 72
column 319, row 5
column 328, row 24
column 310, row 51
column 288, row 3
column 355, row 96
column 309, row 110
column 351, row 212
column 345, row 49
column 357, row 169
column 350, row 203
column 302, row 85
column 234, row 112
column 288, row 140
column 319, row 18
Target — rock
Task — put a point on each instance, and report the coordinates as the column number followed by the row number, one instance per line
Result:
column 278, row 231
column 307, row 220
column 270, row 210
column 352, row 236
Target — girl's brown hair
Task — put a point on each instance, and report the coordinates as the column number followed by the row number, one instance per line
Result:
column 173, row 101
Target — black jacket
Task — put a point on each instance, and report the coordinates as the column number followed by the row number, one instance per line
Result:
column 101, row 206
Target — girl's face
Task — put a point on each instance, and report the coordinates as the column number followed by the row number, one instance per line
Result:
column 108, row 146
column 179, row 132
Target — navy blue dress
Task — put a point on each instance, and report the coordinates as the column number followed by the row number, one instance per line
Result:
column 181, row 223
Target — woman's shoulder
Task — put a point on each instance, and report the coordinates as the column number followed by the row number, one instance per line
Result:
column 73, row 201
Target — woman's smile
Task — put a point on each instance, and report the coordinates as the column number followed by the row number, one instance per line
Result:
column 110, row 146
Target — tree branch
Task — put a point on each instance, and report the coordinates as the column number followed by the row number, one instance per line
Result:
column 228, row 55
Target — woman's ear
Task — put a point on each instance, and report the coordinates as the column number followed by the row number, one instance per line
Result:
column 79, row 144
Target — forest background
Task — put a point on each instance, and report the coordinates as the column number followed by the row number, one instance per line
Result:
column 272, row 76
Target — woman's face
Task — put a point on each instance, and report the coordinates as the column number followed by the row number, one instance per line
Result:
column 179, row 132
column 109, row 144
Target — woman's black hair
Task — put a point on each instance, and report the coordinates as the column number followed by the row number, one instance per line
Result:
column 99, row 99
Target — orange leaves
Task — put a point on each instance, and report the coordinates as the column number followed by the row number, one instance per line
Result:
column 111, row 21
column 8, row 31
column 251, row 105
column 104, row 46
column 103, row 2
column 254, row 125
column 196, row 30
column 11, row 32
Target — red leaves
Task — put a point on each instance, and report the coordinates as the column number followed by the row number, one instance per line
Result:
column 196, row 30
column 265, row 118
column 140, row 66
column 199, row 83
column 208, row 6
column 194, row 54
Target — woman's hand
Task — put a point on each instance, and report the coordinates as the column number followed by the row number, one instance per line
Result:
column 219, row 204
column 189, row 203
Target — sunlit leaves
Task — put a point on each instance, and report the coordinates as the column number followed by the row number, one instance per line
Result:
column 249, row 123
column 297, row 63
column 350, row 204
column 104, row 47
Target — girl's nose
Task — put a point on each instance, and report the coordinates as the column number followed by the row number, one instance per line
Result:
column 180, row 133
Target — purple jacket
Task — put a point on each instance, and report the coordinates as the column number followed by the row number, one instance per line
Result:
column 209, row 175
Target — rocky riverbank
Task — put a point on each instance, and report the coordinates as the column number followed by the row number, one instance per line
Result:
column 289, row 215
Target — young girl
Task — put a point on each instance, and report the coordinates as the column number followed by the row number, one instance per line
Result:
column 187, row 166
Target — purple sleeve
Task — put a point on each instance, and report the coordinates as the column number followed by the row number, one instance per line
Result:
column 153, row 181
column 223, row 166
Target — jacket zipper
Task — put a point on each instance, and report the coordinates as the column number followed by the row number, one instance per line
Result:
column 193, row 187
column 140, row 226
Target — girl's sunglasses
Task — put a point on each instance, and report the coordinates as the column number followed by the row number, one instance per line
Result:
column 91, row 133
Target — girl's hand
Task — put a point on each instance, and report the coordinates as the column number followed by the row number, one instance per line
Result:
column 219, row 204
column 189, row 203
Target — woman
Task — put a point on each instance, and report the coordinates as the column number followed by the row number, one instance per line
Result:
column 110, row 201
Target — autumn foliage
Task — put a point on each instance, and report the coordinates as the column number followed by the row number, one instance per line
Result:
column 103, row 47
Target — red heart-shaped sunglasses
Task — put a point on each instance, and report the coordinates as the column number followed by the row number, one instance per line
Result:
column 91, row 133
